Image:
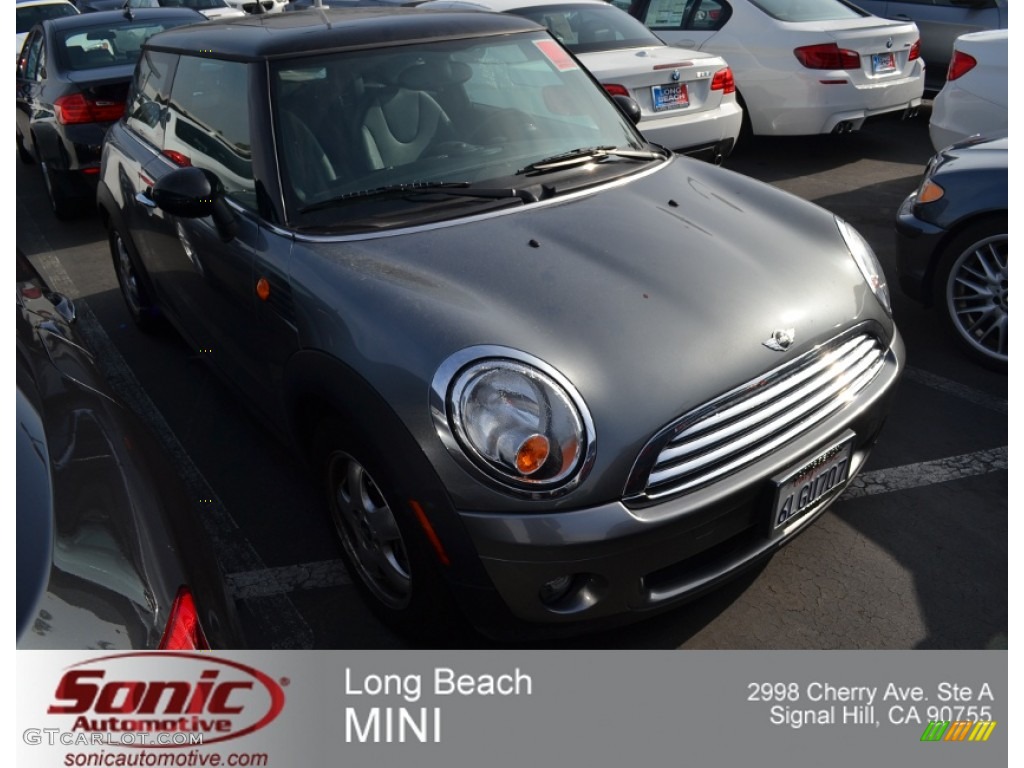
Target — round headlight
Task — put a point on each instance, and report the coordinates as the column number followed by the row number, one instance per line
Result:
column 517, row 420
column 867, row 262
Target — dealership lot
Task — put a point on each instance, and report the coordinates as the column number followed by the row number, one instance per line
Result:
column 914, row 556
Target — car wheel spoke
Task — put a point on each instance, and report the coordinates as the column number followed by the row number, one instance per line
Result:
column 370, row 532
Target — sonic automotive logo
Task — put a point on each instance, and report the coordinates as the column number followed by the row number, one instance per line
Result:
column 167, row 693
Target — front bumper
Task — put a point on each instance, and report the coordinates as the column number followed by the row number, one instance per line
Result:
column 626, row 563
column 917, row 243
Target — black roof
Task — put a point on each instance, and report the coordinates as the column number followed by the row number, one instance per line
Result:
column 265, row 36
column 101, row 18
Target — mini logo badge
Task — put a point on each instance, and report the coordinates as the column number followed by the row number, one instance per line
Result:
column 781, row 339
column 675, row 75
column 888, row 43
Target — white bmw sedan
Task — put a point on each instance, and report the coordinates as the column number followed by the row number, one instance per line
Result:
column 801, row 66
column 687, row 98
column 975, row 98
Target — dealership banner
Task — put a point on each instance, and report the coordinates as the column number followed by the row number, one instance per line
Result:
column 514, row 708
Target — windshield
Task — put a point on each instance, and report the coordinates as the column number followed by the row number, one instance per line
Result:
column 385, row 137
column 588, row 28
column 29, row 16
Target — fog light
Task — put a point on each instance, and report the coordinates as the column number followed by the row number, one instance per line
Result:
column 553, row 591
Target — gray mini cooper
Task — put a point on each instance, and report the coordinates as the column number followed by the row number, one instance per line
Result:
column 551, row 376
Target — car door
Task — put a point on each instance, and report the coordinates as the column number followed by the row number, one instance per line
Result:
column 200, row 273
column 29, row 83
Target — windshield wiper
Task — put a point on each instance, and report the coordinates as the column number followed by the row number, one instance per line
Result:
column 454, row 188
column 585, row 155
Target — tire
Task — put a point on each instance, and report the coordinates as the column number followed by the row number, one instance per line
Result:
column 133, row 290
column 386, row 551
column 972, row 291
column 61, row 203
column 23, row 154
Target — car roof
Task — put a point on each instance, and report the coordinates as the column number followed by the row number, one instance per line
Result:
column 266, row 36
column 98, row 19
column 504, row 6
column 45, row 2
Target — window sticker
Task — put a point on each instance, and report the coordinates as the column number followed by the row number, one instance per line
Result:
column 556, row 54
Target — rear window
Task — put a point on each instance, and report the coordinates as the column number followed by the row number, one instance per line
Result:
column 808, row 10
column 109, row 45
column 31, row 15
column 587, row 28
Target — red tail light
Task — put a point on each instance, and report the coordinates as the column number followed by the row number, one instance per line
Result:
column 723, row 81
column 183, row 632
column 177, row 158
column 614, row 89
column 915, row 51
column 827, row 56
column 76, row 108
column 960, row 65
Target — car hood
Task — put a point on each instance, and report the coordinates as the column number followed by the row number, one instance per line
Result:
column 976, row 153
column 651, row 296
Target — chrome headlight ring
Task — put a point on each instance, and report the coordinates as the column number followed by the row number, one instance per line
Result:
column 512, row 420
column 868, row 264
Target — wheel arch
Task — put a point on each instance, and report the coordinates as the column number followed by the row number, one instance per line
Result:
column 323, row 392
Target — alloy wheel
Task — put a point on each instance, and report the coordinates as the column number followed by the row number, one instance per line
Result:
column 368, row 531
column 977, row 297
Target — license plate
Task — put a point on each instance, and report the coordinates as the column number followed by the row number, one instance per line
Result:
column 883, row 62
column 799, row 491
column 672, row 96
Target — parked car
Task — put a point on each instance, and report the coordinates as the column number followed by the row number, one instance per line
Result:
column 809, row 67
column 303, row 5
column 110, row 553
column 941, row 22
column 687, row 98
column 259, row 6
column 954, row 245
column 545, row 371
column 31, row 12
column 73, row 75
column 208, row 7
column 211, row 9
column 975, row 98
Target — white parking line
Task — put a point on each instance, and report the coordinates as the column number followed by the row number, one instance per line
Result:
column 927, row 473
column 281, row 624
column 273, row 581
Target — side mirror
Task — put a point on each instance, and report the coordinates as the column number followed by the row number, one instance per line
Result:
column 194, row 193
column 628, row 106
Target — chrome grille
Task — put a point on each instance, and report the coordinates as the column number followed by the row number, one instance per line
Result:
column 762, row 415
